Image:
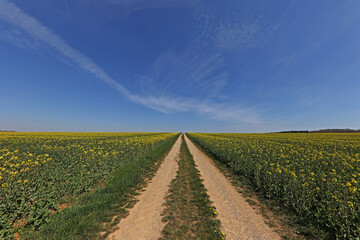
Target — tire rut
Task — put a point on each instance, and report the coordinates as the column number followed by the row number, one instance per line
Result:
column 238, row 219
column 144, row 220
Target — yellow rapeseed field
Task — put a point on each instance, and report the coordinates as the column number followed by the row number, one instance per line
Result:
column 315, row 174
column 39, row 169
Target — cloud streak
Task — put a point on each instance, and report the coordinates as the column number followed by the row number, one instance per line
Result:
column 16, row 37
column 215, row 111
column 237, row 33
column 13, row 15
column 191, row 72
column 29, row 26
column 231, row 33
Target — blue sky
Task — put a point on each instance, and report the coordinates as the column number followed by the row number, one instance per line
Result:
column 179, row 65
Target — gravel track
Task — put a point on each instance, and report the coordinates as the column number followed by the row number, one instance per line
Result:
column 238, row 219
column 144, row 220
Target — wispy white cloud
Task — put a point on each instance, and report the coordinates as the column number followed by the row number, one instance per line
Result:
column 13, row 15
column 150, row 4
column 238, row 33
column 28, row 27
column 16, row 37
column 233, row 32
column 214, row 110
column 191, row 72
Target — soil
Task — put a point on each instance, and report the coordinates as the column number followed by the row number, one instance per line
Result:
column 238, row 219
column 144, row 220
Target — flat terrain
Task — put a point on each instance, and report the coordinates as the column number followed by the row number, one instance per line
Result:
column 144, row 220
column 311, row 177
column 90, row 174
column 238, row 219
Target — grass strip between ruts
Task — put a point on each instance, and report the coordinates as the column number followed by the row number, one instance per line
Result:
column 283, row 219
column 86, row 218
column 188, row 210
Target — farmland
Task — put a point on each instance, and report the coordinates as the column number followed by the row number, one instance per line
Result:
column 316, row 175
column 38, row 171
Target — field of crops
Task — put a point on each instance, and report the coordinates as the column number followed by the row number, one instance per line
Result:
column 317, row 175
column 39, row 170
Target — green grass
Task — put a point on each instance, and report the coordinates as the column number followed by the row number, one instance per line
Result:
column 288, row 224
column 86, row 218
column 41, row 173
column 188, row 210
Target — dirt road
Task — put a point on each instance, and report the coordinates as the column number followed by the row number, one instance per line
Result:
column 238, row 219
column 144, row 220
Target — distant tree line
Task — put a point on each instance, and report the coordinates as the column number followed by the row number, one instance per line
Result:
column 294, row 131
column 345, row 130
column 334, row 130
column 7, row 131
